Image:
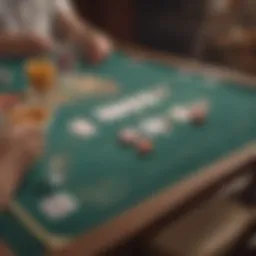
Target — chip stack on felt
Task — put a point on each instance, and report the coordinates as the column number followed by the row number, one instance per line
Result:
column 133, row 138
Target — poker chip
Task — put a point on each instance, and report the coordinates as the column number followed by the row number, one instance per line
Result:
column 156, row 126
column 180, row 114
column 198, row 113
column 198, row 116
column 129, row 136
column 83, row 128
column 144, row 146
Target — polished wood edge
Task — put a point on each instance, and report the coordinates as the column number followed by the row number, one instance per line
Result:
column 137, row 218
column 50, row 240
column 187, row 64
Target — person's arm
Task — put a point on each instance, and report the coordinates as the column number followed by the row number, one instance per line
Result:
column 94, row 43
column 19, row 148
column 15, row 40
column 68, row 19
column 13, row 44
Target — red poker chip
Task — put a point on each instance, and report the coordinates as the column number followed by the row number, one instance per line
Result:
column 128, row 136
column 144, row 146
column 198, row 115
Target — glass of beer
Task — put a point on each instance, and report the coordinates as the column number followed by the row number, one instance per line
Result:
column 41, row 74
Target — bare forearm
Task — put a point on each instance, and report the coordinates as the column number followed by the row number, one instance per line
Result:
column 19, row 148
column 90, row 40
column 21, row 44
column 75, row 27
column 11, row 43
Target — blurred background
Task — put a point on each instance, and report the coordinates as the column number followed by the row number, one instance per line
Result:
column 216, row 31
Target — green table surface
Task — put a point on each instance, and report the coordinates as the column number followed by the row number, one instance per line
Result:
column 106, row 178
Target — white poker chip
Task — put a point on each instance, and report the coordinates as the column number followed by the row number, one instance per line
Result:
column 82, row 127
column 129, row 136
column 59, row 206
column 199, row 111
column 156, row 126
column 180, row 114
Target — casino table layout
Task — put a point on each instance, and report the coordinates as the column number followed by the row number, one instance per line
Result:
column 110, row 191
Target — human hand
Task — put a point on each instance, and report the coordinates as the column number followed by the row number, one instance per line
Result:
column 19, row 147
column 96, row 46
column 92, row 42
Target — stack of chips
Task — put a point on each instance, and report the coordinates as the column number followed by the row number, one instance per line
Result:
column 198, row 113
column 130, row 137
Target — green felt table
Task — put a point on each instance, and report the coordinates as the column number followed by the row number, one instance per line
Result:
column 112, row 184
